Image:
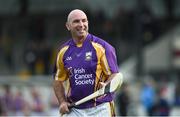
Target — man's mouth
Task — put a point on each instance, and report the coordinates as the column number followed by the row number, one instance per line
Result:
column 81, row 31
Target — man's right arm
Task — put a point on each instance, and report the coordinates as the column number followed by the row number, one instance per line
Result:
column 60, row 75
column 60, row 94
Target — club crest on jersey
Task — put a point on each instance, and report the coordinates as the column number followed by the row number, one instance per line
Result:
column 88, row 56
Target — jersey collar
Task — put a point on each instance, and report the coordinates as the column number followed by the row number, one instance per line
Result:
column 85, row 41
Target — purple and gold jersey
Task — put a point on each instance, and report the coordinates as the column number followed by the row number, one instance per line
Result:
column 85, row 66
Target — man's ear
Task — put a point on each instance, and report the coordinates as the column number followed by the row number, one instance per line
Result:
column 67, row 26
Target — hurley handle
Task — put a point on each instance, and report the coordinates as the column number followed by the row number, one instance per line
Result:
column 71, row 106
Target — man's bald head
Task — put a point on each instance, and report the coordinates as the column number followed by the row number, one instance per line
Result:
column 77, row 24
column 74, row 13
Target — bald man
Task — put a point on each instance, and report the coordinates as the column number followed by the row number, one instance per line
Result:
column 86, row 62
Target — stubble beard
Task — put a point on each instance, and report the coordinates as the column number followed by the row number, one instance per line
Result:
column 80, row 36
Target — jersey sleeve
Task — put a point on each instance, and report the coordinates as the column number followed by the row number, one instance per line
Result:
column 109, row 61
column 60, row 73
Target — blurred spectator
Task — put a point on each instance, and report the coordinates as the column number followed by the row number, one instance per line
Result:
column 2, row 110
column 177, row 95
column 7, row 100
column 147, row 96
column 54, row 105
column 21, row 107
column 123, row 100
column 161, row 107
column 37, row 104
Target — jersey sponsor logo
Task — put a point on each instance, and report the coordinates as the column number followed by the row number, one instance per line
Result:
column 84, row 82
column 88, row 56
column 70, row 70
column 82, row 78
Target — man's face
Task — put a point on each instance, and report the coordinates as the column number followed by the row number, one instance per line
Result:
column 78, row 24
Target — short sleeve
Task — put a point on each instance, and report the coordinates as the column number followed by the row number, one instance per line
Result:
column 59, row 72
column 109, row 61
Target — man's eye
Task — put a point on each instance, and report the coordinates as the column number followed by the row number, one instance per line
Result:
column 84, row 20
column 76, row 21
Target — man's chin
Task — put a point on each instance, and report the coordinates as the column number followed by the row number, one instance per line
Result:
column 82, row 34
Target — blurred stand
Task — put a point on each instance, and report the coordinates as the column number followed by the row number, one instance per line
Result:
column 29, row 98
column 37, row 57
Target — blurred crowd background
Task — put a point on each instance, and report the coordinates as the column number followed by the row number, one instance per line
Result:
column 145, row 34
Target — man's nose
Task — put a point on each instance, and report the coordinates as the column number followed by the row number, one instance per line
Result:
column 81, row 23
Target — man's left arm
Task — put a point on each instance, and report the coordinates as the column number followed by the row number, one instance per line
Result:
column 109, row 64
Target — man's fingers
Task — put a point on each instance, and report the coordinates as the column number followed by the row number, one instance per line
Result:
column 68, row 104
column 64, row 108
column 101, row 96
column 102, row 84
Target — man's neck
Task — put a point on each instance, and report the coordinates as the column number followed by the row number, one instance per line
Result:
column 79, row 40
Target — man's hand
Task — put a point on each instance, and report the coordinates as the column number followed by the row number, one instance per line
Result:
column 63, row 108
column 102, row 84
